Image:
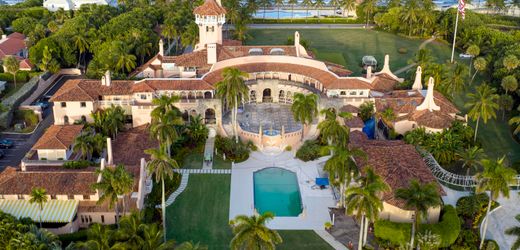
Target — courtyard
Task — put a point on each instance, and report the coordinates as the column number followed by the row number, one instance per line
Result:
column 271, row 116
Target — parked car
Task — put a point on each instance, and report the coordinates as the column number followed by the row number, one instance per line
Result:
column 42, row 104
column 6, row 143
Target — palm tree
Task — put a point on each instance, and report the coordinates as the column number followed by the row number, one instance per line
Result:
column 251, row 233
column 161, row 165
column 124, row 182
column 419, row 197
column 479, row 64
column 511, row 62
column 304, row 109
column 83, row 144
column 474, row 51
column 455, row 80
column 509, row 83
column 190, row 36
column 515, row 121
column 163, row 104
column 331, row 130
column 129, row 233
column 164, row 131
column 388, row 115
column 39, row 197
column 494, row 179
column 232, row 90
column 292, row 3
column 515, row 231
column 369, row 6
column 153, row 238
column 99, row 237
column 307, row 4
column 11, row 65
column 81, row 43
column 482, row 104
column 123, row 59
column 169, row 31
column 114, row 120
column 265, row 4
column 196, row 130
column 364, row 201
column 471, row 157
column 342, row 167
column 188, row 245
column 318, row 4
column 278, row 4
column 410, row 14
column 348, row 5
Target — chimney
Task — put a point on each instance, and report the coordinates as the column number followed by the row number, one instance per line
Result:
column 212, row 53
column 161, row 47
column 141, row 184
column 429, row 102
column 101, row 167
column 4, row 37
column 417, row 84
column 219, row 3
column 369, row 72
column 297, row 43
column 109, row 151
column 386, row 65
column 106, row 79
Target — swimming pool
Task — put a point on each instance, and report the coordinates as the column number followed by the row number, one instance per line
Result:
column 276, row 190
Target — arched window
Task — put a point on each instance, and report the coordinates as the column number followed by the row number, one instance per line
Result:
column 208, row 95
column 209, row 116
column 281, row 96
column 252, row 96
column 266, row 95
column 66, row 120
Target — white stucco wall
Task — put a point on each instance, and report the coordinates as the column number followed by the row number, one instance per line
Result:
column 73, row 110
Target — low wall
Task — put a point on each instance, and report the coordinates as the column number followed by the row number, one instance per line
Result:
column 280, row 141
column 12, row 102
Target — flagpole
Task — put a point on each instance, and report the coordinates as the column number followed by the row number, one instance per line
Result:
column 455, row 33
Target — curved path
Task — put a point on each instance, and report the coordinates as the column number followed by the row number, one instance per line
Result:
column 405, row 68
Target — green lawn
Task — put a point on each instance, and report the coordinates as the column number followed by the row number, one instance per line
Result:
column 201, row 212
column 194, row 161
column 347, row 46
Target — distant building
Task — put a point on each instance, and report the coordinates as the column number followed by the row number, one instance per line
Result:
column 14, row 45
column 54, row 5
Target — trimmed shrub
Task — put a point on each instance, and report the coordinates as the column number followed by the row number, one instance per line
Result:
column 28, row 116
column 288, row 148
column 76, row 164
column 402, row 50
column 448, row 229
column 237, row 152
column 310, row 150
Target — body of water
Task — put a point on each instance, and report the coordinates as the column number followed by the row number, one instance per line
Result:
column 276, row 190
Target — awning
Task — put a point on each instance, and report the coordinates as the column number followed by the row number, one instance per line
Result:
column 322, row 181
column 55, row 211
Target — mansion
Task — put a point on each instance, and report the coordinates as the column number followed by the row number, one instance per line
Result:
column 274, row 75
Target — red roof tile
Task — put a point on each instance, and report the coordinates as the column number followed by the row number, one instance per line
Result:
column 58, row 137
column 210, row 8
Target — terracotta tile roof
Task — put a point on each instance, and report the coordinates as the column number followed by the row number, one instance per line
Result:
column 55, row 183
column 193, row 59
column 129, row 146
column 338, row 69
column 12, row 45
column 349, row 108
column 150, row 85
column 406, row 101
column 396, row 162
column 26, row 64
column 210, row 8
column 90, row 90
column 434, row 119
column 354, row 122
column 229, row 42
column 58, row 137
column 93, row 206
column 325, row 77
column 384, row 82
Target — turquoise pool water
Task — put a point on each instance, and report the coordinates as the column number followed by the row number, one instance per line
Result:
column 276, row 190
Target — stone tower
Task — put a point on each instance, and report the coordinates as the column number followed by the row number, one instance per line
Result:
column 210, row 17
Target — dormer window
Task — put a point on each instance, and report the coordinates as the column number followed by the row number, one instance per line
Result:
column 256, row 52
column 277, row 51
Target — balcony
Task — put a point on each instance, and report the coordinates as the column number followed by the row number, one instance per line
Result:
column 116, row 102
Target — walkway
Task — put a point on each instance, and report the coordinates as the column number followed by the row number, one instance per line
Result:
column 406, row 68
column 208, row 153
column 503, row 218
column 330, row 239
column 180, row 189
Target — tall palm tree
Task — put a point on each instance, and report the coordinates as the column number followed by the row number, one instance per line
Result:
column 161, row 165
column 474, row 51
column 11, row 66
column 124, row 60
column 98, row 237
column 153, row 238
column 515, row 121
column 164, row 131
column 419, row 197
column 304, row 109
column 471, row 157
column 114, row 120
column 342, row 167
column 494, row 179
column 124, row 183
column 169, row 31
column 331, row 130
column 510, row 62
column 348, row 5
column 39, row 197
column 278, row 4
column 251, row 233
column 292, row 3
column 410, row 14
column 480, row 64
column 265, row 4
column 163, row 104
column 129, row 234
column 81, row 43
column 190, row 36
column 83, row 145
column 363, row 201
column 369, row 7
column 455, row 80
column 482, row 104
column 318, row 4
column 233, row 90
column 515, row 231
column 509, row 83
column 188, row 245
column 307, row 4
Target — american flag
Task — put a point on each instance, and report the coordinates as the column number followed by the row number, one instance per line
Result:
column 462, row 8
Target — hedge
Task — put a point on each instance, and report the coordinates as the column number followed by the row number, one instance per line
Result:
column 76, row 164
column 399, row 233
column 313, row 20
column 15, row 99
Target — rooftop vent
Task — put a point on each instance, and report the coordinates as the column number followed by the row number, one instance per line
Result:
column 256, row 52
column 277, row 51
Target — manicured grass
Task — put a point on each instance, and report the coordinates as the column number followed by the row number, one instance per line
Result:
column 194, row 161
column 201, row 214
column 346, row 46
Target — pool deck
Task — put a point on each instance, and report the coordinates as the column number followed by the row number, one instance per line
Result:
column 316, row 203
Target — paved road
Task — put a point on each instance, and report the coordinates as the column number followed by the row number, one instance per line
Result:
column 24, row 142
column 306, row 26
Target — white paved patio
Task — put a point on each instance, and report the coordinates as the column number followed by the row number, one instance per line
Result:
column 502, row 218
column 315, row 202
